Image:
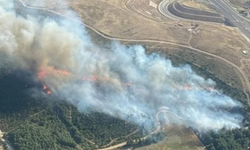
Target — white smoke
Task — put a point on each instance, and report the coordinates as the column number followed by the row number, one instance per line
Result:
column 118, row 80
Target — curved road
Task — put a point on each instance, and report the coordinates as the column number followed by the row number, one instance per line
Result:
column 161, row 110
column 189, row 13
column 163, row 9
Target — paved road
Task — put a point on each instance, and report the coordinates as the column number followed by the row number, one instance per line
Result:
column 163, row 9
column 232, row 16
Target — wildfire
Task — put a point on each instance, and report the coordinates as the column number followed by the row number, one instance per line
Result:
column 51, row 70
column 94, row 78
column 127, row 84
column 44, row 87
column 47, row 90
column 188, row 88
column 41, row 74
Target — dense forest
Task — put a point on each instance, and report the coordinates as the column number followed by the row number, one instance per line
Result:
column 237, row 139
column 63, row 127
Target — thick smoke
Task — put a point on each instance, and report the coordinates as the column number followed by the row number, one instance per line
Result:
column 121, row 81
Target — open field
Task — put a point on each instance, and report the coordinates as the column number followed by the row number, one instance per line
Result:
column 178, row 138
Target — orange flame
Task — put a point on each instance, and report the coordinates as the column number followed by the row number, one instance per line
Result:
column 94, row 78
column 44, row 87
column 127, row 84
column 49, row 92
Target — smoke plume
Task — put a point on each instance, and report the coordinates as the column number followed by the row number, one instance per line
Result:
column 118, row 80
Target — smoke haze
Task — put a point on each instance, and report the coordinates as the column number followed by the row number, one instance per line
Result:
column 121, row 81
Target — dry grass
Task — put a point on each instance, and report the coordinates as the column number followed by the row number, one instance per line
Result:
column 143, row 8
column 118, row 22
column 225, row 42
column 178, row 138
